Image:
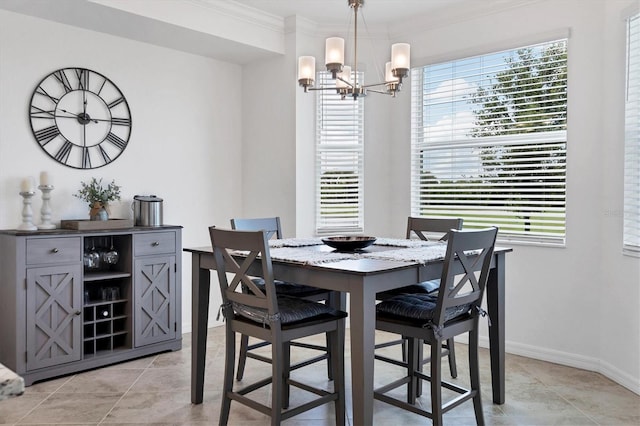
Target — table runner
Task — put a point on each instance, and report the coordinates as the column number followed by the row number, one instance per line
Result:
column 295, row 242
column 422, row 255
column 412, row 251
column 309, row 257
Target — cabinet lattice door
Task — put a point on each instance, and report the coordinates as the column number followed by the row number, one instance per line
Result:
column 54, row 305
column 155, row 312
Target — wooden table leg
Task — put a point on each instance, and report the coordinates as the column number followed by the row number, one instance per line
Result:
column 495, row 305
column 362, row 316
column 200, row 289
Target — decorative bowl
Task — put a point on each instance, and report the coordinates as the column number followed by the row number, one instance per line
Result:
column 349, row 243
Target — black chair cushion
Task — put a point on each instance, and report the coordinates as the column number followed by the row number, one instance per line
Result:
column 418, row 307
column 424, row 287
column 290, row 289
column 291, row 310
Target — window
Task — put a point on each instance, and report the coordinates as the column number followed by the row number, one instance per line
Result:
column 489, row 140
column 339, row 160
column 631, row 241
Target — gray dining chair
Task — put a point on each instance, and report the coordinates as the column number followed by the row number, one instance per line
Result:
column 426, row 229
column 272, row 227
column 260, row 312
column 434, row 318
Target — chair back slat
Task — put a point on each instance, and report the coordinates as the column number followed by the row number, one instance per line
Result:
column 423, row 226
column 465, row 271
column 224, row 243
column 271, row 225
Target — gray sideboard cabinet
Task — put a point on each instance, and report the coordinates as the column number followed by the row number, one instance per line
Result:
column 75, row 300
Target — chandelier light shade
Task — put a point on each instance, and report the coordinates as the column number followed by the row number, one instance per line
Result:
column 306, row 71
column 334, row 55
column 395, row 70
column 400, row 61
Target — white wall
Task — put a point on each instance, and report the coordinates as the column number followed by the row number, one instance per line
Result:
column 186, row 133
column 577, row 305
column 216, row 140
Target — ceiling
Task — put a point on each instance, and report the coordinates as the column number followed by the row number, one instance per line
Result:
column 242, row 31
column 326, row 12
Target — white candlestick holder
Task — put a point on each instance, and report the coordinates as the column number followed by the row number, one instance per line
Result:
column 27, row 212
column 45, row 211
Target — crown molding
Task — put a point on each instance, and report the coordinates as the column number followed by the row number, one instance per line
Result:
column 250, row 15
column 447, row 16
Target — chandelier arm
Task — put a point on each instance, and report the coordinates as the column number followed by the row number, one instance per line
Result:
column 374, row 84
column 321, row 88
column 380, row 92
column 344, row 81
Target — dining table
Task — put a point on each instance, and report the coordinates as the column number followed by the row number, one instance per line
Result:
column 387, row 264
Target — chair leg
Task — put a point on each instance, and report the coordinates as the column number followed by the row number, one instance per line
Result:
column 452, row 358
column 229, row 360
column 436, row 383
column 420, row 344
column 286, row 374
column 474, row 372
column 336, row 300
column 242, row 357
column 414, row 363
column 404, row 350
column 336, row 346
column 330, row 375
column 278, row 384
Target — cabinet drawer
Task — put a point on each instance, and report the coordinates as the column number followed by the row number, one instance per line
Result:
column 53, row 250
column 155, row 243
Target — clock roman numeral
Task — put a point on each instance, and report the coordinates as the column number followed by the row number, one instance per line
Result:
column 117, row 141
column 41, row 113
column 86, row 158
column 101, row 86
column 116, row 102
column 44, row 136
column 62, row 78
column 83, row 78
column 63, row 153
column 104, row 154
column 43, row 92
column 121, row 121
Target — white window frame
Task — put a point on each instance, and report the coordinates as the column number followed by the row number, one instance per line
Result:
column 631, row 228
column 440, row 151
column 339, row 150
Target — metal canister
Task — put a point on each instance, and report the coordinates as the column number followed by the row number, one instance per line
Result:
column 147, row 210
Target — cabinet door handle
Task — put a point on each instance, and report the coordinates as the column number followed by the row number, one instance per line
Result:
column 155, row 243
column 54, row 250
column 77, row 313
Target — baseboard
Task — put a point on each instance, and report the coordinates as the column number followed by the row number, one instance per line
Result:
column 570, row 360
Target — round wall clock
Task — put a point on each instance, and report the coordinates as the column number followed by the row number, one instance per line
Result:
column 80, row 118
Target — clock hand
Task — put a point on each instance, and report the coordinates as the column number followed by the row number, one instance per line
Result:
column 82, row 116
column 84, row 102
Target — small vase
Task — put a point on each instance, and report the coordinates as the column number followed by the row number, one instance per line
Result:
column 98, row 212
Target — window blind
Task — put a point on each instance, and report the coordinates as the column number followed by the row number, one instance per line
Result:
column 339, row 160
column 631, row 239
column 488, row 137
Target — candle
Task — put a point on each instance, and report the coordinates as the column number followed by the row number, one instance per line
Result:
column 44, row 179
column 28, row 184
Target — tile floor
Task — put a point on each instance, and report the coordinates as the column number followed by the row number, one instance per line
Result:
column 155, row 390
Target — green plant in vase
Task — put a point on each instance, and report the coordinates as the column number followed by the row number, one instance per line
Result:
column 98, row 197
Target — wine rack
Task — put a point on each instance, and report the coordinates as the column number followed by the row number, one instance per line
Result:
column 106, row 326
column 107, row 294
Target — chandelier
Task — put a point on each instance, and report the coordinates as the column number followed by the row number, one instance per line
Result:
column 395, row 70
